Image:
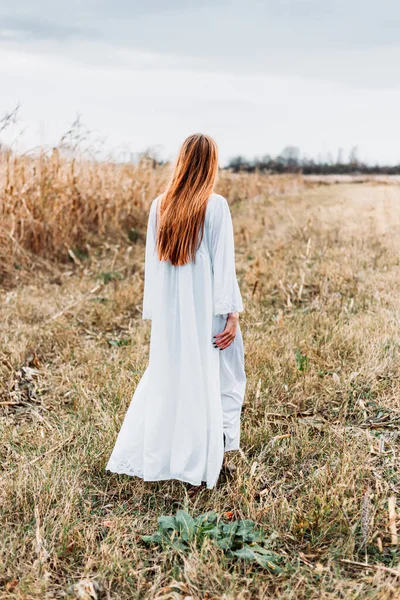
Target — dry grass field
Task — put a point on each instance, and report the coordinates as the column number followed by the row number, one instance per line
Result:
column 319, row 270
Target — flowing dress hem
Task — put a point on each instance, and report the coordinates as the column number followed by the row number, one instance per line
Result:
column 138, row 473
column 232, row 448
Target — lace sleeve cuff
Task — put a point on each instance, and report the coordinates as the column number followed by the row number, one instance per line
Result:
column 224, row 308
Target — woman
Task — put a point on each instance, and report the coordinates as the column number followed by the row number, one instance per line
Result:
column 186, row 408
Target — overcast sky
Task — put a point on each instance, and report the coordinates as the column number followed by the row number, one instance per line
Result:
column 258, row 75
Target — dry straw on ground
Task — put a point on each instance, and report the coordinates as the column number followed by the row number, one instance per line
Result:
column 319, row 269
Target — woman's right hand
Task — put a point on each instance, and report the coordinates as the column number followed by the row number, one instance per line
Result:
column 225, row 339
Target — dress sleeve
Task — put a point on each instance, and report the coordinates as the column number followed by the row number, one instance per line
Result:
column 226, row 293
column 151, row 264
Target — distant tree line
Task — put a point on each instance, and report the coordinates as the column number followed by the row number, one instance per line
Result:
column 291, row 161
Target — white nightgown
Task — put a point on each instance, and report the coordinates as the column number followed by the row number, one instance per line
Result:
column 191, row 393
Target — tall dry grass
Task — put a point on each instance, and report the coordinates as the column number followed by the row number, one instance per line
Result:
column 54, row 205
column 319, row 273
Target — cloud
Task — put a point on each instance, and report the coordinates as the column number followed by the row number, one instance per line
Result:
column 135, row 106
column 259, row 75
column 26, row 29
column 232, row 30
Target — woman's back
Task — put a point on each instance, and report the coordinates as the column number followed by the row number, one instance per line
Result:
column 175, row 424
column 213, row 267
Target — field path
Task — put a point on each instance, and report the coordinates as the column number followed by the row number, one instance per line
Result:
column 365, row 207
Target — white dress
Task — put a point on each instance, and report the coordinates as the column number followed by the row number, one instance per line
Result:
column 191, row 393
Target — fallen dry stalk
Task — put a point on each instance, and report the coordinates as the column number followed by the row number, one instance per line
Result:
column 76, row 302
column 360, row 565
column 392, row 520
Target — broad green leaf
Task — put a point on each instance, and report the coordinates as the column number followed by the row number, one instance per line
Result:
column 166, row 522
column 254, row 536
column 262, row 550
column 238, row 539
column 207, row 518
column 213, row 533
column 230, row 528
column 267, row 563
column 207, row 528
column 152, row 539
column 224, row 543
column 179, row 545
column 246, row 552
column 247, row 530
column 264, row 560
column 186, row 524
column 246, row 525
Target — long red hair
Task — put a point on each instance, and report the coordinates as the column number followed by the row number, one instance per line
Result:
column 183, row 205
